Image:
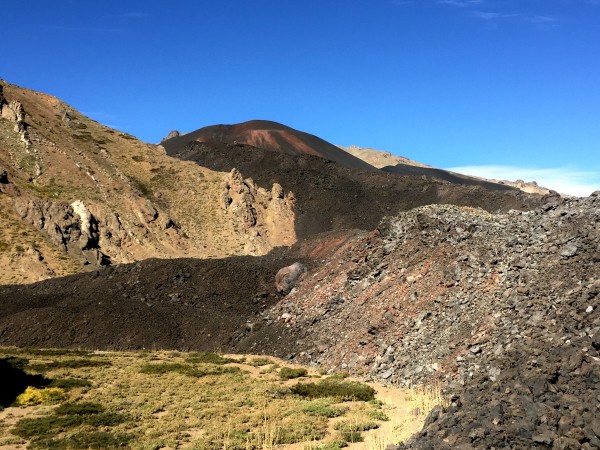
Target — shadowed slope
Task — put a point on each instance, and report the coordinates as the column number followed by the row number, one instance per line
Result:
column 329, row 196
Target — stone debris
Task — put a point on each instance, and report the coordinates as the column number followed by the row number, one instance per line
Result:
column 502, row 309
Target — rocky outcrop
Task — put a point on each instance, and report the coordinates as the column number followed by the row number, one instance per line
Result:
column 71, row 227
column 287, row 277
column 265, row 218
column 172, row 134
column 502, row 309
column 13, row 112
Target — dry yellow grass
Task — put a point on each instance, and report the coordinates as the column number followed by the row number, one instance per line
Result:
column 168, row 404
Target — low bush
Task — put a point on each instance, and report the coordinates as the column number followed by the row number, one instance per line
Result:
column 288, row 373
column 355, row 425
column 69, row 383
column 80, row 409
column 342, row 390
column 351, row 436
column 377, row 414
column 45, row 396
column 259, row 362
column 323, row 408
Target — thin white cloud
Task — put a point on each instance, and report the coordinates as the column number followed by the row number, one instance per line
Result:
column 460, row 3
column 566, row 180
column 490, row 15
column 543, row 20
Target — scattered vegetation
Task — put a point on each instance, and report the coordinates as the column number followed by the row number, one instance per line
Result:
column 259, row 362
column 68, row 364
column 186, row 369
column 49, row 431
column 69, row 383
column 288, row 373
column 355, row 425
column 324, row 408
column 140, row 400
column 342, row 390
column 87, row 440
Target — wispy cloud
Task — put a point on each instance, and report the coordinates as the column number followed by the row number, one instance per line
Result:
column 543, row 19
column 566, row 180
column 490, row 15
column 460, row 3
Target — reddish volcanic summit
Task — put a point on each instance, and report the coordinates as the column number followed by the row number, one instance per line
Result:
column 270, row 136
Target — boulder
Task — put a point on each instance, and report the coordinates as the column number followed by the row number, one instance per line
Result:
column 286, row 278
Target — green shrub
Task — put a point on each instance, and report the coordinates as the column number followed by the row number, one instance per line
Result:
column 342, row 390
column 259, row 362
column 79, row 409
column 377, row 414
column 288, row 373
column 69, row 383
column 323, row 408
column 355, row 425
column 351, row 436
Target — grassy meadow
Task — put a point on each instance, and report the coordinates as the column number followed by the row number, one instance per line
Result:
column 173, row 400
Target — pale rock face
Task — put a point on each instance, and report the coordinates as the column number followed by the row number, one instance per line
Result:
column 83, row 213
column 13, row 112
column 265, row 218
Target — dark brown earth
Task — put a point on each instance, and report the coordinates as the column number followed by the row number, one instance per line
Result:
column 271, row 136
column 162, row 304
column 330, row 196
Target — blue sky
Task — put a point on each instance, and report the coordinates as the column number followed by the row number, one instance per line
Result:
column 487, row 86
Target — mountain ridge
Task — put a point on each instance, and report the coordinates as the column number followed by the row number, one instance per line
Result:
column 270, row 136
